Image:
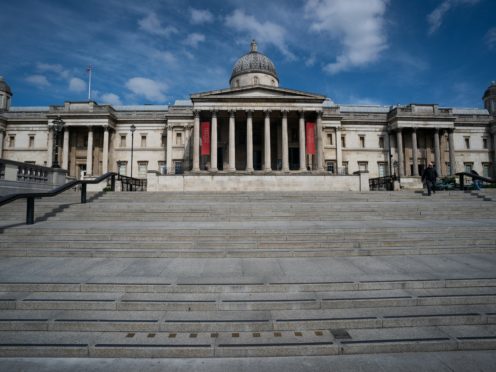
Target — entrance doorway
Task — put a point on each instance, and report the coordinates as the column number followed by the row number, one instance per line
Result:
column 257, row 160
column 294, row 158
column 220, row 158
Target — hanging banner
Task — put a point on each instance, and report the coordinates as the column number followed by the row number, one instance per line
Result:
column 310, row 142
column 205, row 138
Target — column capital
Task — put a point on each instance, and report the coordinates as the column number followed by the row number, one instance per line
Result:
column 302, row 113
column 267, row 112
column 214, row 113
column 232, row 112
column 106, row 128
column 414, row 129
column 285, row 112
column 320, row 113
column 90, row 128
column 249, row 113
column 196, row 113
column 436, row 130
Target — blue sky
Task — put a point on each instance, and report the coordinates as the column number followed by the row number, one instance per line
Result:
column 154, row 52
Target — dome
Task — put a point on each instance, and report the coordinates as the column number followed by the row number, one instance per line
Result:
column 490, row 91
column 255, row 62
column 4, row 87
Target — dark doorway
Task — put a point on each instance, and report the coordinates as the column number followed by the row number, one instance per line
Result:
column 257, row 160
column 294, row 158
column 220, row 158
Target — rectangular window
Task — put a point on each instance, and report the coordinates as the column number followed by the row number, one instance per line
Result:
column 467, row 142
column 31, row 141
column 143, row 140
column 362, row 142
column 123, row 141
column 344, row 169
column 381, row 143
column 468, row 167
column 179, row 138
column 12, row 140
column 164, row 141
column 485, row 169
column 484, row 143
column 382, row 169
column 122, row 168
column 363, row 166
column 142, row 169
column 330, row 166
column 343, row 141
column 178, row 165
column 329, row 139
column 162, row 167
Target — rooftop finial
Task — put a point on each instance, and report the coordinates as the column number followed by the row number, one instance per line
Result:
column 253, row 45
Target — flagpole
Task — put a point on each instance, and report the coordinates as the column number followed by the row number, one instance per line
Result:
column 89, row 82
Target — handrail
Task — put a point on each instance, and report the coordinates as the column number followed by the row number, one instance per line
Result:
column 30, row 196
column 461, row 176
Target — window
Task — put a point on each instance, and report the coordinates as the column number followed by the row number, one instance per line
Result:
column 329, row 139
column 382, row 169
column 273, row 82
column 381, row 143
column 12, row 140
column 363, row 166
column 362, row 142
column 122, row 167
column 178, row 165
column 330, row 166
column 468, row 167
column 179, row 138
column 31, row 141
column 255, row 80
column 142, row 169
column 485, row 169
column 143, row 140
column 467, row 142
column 123, row 141
column 164, row 140
column 343, row 141
column 344, row 170
column 162, row 166
column 484, row 143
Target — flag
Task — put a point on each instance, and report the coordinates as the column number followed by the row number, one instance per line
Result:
column 310, row 143
column 205, row 136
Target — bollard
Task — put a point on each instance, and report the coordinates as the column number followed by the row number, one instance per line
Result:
column 30, row 211
column 112, row 183
column 83, row 193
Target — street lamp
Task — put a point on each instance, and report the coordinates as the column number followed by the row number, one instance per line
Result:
column 58, row 125
column 133, row 128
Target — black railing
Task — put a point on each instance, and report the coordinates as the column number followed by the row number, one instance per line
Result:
column 128, row 184
column 462, row 176
column 381, row 183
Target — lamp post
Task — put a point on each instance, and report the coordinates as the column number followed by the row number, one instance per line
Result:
column 58, row 125
column 133, row 128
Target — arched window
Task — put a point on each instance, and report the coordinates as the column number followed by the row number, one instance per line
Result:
column 255, row 80
column 237, row 83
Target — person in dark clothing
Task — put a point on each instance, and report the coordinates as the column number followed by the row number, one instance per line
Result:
column 476, row 182
column 429, row 177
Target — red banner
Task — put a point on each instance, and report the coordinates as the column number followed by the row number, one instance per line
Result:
column 310, row 142
column 205, row 136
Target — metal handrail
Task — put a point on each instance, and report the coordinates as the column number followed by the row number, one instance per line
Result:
column 461, row 178
column 69, row 185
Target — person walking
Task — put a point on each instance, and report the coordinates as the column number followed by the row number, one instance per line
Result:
column 429, row 176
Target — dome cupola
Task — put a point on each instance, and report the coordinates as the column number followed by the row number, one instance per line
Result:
column 5, row 95
column 490, row 98
column 254, row 68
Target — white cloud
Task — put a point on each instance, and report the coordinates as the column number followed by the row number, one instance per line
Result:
column 199, row 16
column 38, row 80
column 111, row 98
column 194, row 39
column 55, row 68
column 435, row 18
column 357, row 24
column 150, row 89
column 263, row 32
column 77, row 85
column 152, row 25
column 491, row 38
column 310, row 61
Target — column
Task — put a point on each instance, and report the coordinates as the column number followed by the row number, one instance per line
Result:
column 452, row 160
column 302, row 142
column 232, row 143
column 2, row 136
column 65, row 150
column 105, row 149
column 494, row 155
column 267, row 156
column 196, row 143
column 249, row 141
column 399, row 149
column 339, row 158
column 437, row 151
column 89, row 153
column 320, row 148
column 168, row 160
column 213, row 143
column 49, row 146
column 285, row 145
column 414, row 152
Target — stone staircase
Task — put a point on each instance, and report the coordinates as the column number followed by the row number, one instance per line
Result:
column 248, row 275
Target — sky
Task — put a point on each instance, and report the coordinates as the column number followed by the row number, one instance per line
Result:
column 377, row 52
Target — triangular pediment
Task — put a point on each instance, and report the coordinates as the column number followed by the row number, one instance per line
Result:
column 258, row 92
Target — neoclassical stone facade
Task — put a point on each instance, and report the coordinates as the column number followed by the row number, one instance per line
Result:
column 253, row 127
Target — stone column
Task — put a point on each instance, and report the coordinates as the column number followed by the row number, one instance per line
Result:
column 302, row 142
column 49, row 145
column 168, row 160
column 399, row 149
column 267, row 156
column 494, row 155
column 213, row 143
column 89, row 153
column 105, row 149
column 451, row 140
column 339, row 158
column 232, row 143
column 285, row 144
column 249, row 141
column 320, row 147
column 437, row 151
column 196, row 143
column 65, row 149
column 414, row 152
column 2, row 137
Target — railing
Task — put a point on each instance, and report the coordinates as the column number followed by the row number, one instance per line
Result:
column 462, row 176
column 381, row 183
column 131, row 184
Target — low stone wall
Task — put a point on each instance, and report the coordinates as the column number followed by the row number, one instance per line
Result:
column 240, row 183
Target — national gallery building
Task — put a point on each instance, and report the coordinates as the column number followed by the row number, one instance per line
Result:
column 254, row 127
